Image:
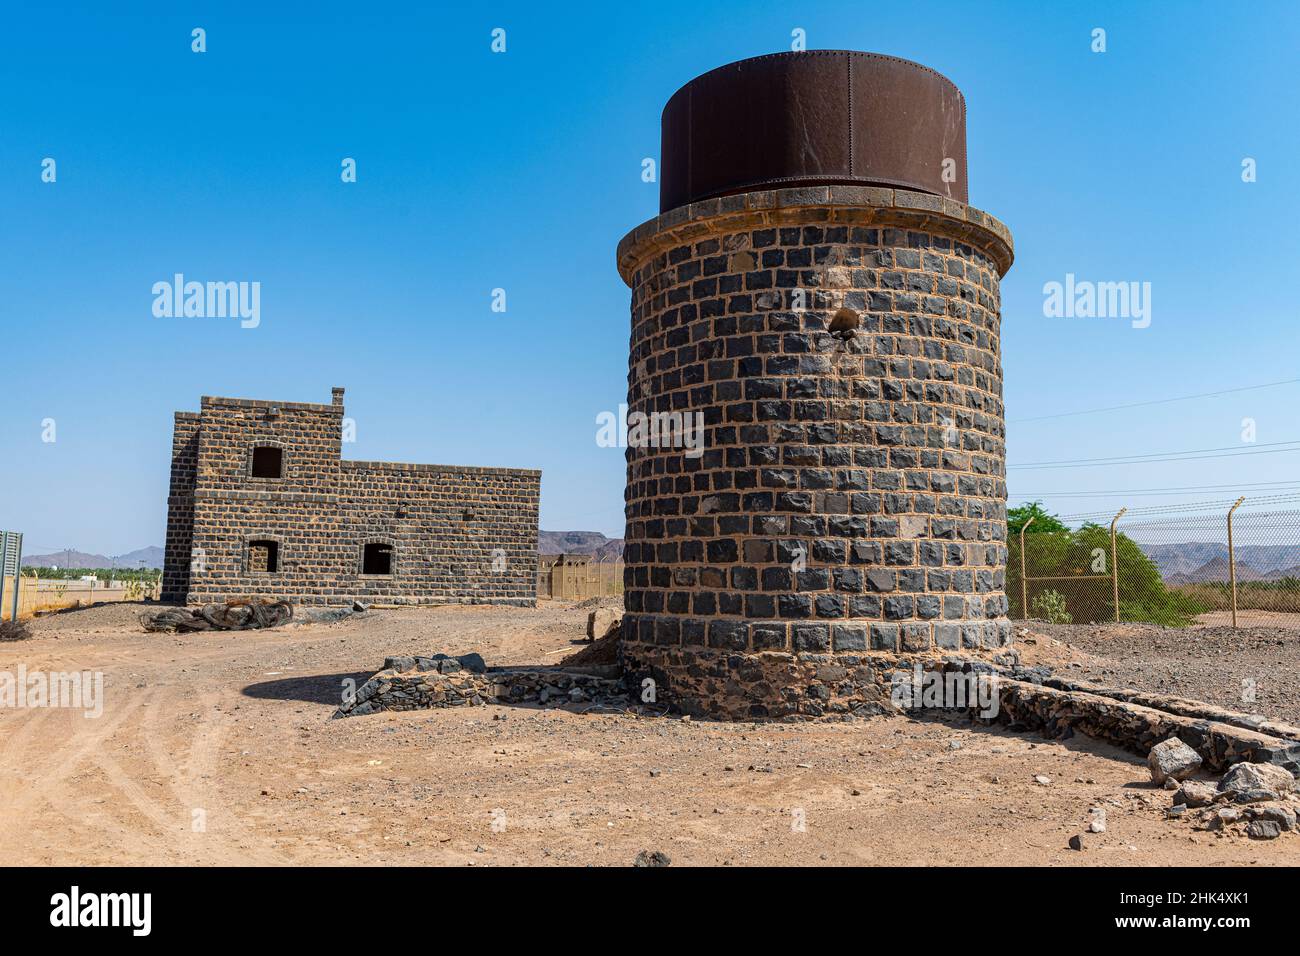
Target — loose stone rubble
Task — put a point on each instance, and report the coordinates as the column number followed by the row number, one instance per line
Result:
column 1246, row 777
column 1172, row 760
column 414, row 683
column 1195, row 793
column 1259, row 800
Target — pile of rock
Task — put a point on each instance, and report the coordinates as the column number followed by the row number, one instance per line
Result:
column 1260, row 796
column 415, row 683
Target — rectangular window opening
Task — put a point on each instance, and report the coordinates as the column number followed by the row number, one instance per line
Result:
column 268, row 462
column 263, row 556
column 377, row 559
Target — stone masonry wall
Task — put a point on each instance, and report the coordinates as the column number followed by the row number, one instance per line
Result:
column 468, row 534
column 457, row 534
column 851, row 494
column 180, row 507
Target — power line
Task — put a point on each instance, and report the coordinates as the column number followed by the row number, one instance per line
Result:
column 1193, row 454
column 1171, row 490
column 1158, row 401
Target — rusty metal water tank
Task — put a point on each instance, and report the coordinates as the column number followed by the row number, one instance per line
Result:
column 816, row 296
column 817, row 118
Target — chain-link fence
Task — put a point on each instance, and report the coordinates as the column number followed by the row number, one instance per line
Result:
column 1169, row 569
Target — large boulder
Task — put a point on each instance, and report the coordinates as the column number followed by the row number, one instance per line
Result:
column 1172, row 760
column 1243, row 777
column 604, row 622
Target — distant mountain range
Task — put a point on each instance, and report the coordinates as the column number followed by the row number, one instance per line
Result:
column 1184, row 563
column 151, row 556
column 580, row 542
column 1216, row 569
column 1194, row 561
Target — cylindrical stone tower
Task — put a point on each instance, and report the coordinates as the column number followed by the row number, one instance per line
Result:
column 818, row 293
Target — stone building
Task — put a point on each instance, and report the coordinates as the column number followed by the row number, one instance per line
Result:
column 816, row 286
column 262, row 504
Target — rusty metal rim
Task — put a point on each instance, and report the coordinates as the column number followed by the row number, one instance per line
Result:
column 854, row 53
column 788, row 182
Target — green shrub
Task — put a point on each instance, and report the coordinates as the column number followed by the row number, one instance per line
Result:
column 1050, row 607
column 1085, row 554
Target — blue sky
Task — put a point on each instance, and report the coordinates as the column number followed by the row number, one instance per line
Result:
column 522, row 171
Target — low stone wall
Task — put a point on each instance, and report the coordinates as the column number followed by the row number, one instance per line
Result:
column 784, row 686
column 1104, row 715
column 839, row 686
column 1182, row 706
column 416, row 683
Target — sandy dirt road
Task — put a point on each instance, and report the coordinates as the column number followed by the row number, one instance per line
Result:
column 218, row 749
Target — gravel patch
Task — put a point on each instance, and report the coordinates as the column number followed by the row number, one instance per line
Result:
column 1251, row 669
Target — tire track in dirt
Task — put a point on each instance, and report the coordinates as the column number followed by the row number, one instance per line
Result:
column 192, row 784
column 14, row 745
column 48, row 777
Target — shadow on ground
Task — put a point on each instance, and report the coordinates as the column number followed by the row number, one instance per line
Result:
column 1078, row 742
column 317, row 689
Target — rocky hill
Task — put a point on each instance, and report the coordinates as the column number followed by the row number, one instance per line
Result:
column 580, row 542
column 151, row 556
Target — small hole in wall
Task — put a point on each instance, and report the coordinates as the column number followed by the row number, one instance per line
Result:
column 845, row 324
column 469, row 514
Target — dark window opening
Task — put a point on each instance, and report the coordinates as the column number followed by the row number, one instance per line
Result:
column 263, row 556
column 377, row 559
column 268, row 462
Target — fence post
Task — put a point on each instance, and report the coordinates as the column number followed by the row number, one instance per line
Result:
column 1232, row 562
column 18, row 577
column 4, row 559
column 1114, row 562
column 1024, row 581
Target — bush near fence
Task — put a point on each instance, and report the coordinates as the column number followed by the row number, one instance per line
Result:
column 1171, row 570
column 1077, row 566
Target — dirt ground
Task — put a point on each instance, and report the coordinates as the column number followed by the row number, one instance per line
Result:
column 1254, row 669
column 218, row 749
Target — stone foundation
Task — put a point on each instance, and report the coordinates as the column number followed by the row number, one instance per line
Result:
column 764, row 686
column 419, row 683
